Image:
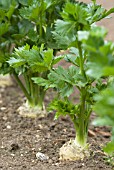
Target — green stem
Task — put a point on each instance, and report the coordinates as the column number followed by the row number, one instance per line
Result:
column 81, row 131
column 22, row 87
column 81, row 60
column 40, row 27
column 26, row 77
column 74, row 120
column 37, row 93
column 41, row 98
column 31, row 87
column 40, row 31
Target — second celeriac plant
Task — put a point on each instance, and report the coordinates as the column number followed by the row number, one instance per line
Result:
column 77, row 33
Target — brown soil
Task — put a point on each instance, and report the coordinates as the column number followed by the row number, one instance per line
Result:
column 21, row 138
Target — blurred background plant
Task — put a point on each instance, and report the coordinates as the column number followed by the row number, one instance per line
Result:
column 28, row 22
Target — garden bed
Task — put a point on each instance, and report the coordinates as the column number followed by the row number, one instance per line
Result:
column 21, row 138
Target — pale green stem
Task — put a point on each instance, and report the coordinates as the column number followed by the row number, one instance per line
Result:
column 22, row 87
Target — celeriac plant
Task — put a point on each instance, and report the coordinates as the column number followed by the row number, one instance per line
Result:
column 31, row 62
column 103, row 66
column 75, row 32
column 28, row 22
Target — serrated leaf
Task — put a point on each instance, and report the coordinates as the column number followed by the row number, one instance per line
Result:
column 38, row 67
column 13, row 62
column 62, row 107
column 33, row 11
column 110, row 11
column 56, row 59
column 63, row 27
column 41, row 82
column 48, row 56
column 75, row 12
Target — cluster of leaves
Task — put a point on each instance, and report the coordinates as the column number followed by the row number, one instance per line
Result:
column 77, row 32
column 77, row 17
column 104, row 108
column 101, row 64
column 27, row 21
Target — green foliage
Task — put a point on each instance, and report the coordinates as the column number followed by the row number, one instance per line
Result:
column 100, row 53
column 34, row 59
column 27, row 22
column 63, row 108
column 109, row 149
column 77, row 17
column 25, row 25
column 104, row 108
column 88, row 55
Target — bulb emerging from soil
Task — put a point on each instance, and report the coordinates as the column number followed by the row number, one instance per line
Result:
column 26, row 111
column 5, row 81
column 71, row 151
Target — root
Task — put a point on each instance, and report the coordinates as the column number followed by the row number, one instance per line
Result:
column 26, row 111
column 70, row 151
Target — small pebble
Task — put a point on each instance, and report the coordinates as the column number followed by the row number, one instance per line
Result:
column 41, row 156
column 3, row 108
column 54, row 159
column 5, row 118
column 8, row 127
column 50, row 161
column 12, row 154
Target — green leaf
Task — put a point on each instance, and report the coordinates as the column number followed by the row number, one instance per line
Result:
column 109, row 148
column 110, row 11
column 25, row 2
column 56, row 59
column 75, row 12
column 15, row 63
column 62, row 107
column 82, row 35
column 4, row 28
column 103, row 122
column 99, row 54
column 2, row 14
column 41, row 82
column 104, row 108
column 34, row 11
column 64, row 27
column 6, row 4
column 10, row 11
column 48, row 56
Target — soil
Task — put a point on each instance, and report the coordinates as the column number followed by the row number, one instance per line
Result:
column 22, row 138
